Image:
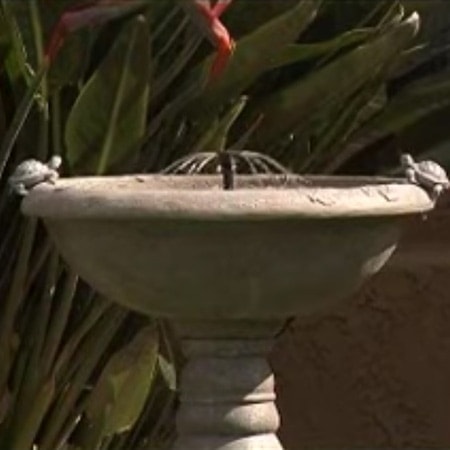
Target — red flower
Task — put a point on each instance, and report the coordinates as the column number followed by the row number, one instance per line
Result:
column 87, row 13
column 207, row 17
column 94, row 12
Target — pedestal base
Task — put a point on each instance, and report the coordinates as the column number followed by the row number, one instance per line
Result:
column 227, row 387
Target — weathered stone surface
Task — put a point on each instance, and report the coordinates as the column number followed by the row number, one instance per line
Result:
column 180, row 246
column 227, row 387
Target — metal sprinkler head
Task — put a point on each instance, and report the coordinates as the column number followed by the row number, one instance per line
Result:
column 228, row 163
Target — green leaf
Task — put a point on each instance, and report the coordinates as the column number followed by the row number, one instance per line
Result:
column 394, row 14
column 22, row 15
column 2, row 119
column 412, row 105
column 23, row 434
column 5, row 403
column 325, row 90
column 84, row 364
column 253, row 54
column 168, row 372
column 295, row 53
column 215, row 139
column 338, row 129
column 70, row 64
column 18, row 120
column 123, row 387
column 107, row 122
column 69, row 40
column 17, row 62
column 12, row 302
column 4, row 37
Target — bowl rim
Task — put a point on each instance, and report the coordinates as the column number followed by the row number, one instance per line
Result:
column 201, row 197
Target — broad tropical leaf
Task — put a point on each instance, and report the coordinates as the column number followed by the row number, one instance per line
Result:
column 122, row 389
column 251, row 57
column 410, row 106
column 107, row 122
column 327, row 88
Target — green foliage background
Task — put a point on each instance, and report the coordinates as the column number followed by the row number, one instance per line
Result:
column 330, row 87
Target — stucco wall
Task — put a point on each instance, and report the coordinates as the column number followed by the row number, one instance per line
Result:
column 375, row 372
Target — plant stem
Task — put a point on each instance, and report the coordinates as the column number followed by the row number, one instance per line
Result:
column 56, row 123
column 19, row 119
column 43, row 104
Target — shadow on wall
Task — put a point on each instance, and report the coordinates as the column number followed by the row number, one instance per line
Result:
column 375, row 373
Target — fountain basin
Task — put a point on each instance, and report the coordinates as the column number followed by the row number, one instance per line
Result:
column 182, row 247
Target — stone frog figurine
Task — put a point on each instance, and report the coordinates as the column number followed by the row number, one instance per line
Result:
column 427, row 174
column 32, row 172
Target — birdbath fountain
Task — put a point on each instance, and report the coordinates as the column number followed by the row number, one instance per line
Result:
column 227, row 267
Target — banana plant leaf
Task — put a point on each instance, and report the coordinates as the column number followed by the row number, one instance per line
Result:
column 16, row 63
column 412, row 105
column 252, row 55
column 330, row 86
column 120, row 394
column 296, row 53
column 99, row 137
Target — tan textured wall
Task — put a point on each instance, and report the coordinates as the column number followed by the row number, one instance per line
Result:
column 375, row 372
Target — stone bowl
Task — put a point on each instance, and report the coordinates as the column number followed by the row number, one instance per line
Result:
column 181, row 247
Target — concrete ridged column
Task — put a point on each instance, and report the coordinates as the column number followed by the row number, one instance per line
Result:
column 227, row 392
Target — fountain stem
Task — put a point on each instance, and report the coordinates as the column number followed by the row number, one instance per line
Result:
column 227, row 387
column 227, row 169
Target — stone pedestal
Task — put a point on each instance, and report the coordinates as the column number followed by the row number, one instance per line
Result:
column 227, row 387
